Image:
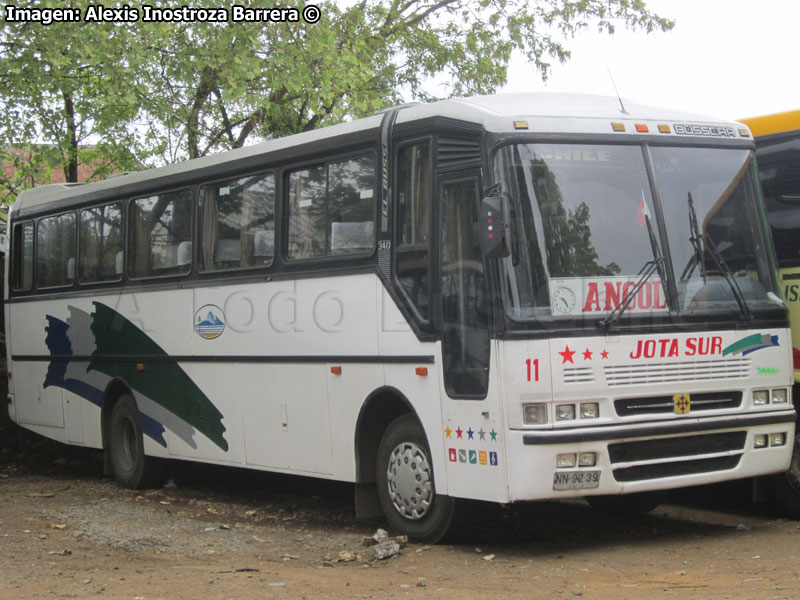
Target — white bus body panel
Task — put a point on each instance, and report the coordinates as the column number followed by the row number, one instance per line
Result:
column 611, row 368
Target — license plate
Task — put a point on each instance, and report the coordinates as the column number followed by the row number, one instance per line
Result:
column 581, row 480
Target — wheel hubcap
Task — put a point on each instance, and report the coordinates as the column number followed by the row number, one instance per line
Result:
column 409, row 480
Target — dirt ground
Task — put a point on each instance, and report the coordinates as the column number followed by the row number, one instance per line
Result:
column 67, row 532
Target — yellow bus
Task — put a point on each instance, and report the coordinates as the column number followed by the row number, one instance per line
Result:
column 777, row 138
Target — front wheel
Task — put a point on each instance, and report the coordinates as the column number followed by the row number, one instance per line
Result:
column 785, row 487
column 131, row 468
column 406, row 485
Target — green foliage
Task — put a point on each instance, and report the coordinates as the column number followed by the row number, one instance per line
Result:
column 166, row 92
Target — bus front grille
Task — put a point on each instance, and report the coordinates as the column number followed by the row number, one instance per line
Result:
column 728, row 368
column 653, row 405
column 671, row 457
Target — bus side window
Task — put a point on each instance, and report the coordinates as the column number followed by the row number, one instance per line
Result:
column 23, row 252
column 157, row 226
column 414, row 193
column 100, row 235
column 55, row 251
column 332, row 209
column 237, row 223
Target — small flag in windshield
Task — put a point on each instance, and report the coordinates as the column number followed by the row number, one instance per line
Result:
column 642, row 212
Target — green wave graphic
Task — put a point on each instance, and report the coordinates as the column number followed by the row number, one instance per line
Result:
column 165, row 383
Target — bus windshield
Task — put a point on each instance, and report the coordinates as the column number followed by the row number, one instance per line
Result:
column 586, row 229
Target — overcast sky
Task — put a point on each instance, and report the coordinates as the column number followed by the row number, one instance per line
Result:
column 727, row 58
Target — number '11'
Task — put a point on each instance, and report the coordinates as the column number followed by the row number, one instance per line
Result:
column 533, row 369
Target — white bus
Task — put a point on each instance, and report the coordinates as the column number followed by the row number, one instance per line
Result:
column 502, row 298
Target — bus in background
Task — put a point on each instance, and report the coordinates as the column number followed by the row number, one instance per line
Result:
column 501, row 298
column 777, row 138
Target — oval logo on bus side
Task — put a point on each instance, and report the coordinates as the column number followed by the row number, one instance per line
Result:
column 209, row 321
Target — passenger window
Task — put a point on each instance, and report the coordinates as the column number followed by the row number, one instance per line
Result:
column 100, row 251
column 332, row 209
column 55, row 251
column 237, row 226
column 413, row 197
column 160, row 235
column 23, row 251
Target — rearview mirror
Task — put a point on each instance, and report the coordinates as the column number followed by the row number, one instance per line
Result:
column 494, row 221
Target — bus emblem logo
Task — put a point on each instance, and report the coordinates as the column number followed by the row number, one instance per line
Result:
column 209, row 321
column 682, row 404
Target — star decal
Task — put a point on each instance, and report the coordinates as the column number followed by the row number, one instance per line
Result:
column 447, row 432
column 481, row 434
column 470, row 433
column 587, row 355
column 493, row 433
column 567, row 355
column 604, row 354
column 459, row 431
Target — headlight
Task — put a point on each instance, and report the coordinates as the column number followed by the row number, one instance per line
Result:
column 587, row 459
column 565, row 412
column 565, row 461
column 760, row 397
column 590, row 410
column 534, row 414
column 777, row 439
column 760, row 441
column 780, row 396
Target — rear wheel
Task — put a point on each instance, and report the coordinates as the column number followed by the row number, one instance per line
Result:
column 406, row 484
column 131, row 468
column 627, row 504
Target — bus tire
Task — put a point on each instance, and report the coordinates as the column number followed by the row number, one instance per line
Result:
column 406, row 484
column 131, row 468
column 785, row 487
column 626, row 504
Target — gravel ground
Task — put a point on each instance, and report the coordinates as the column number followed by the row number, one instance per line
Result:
column 68, row 532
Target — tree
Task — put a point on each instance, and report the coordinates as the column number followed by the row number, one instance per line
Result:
column 169, row 91
column 213, row 87
column 63, row 85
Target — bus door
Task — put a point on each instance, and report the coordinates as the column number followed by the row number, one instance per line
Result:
column 465, row 302
column 473, row 423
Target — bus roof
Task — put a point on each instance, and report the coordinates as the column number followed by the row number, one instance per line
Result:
column 774, row 123
column 539, row 112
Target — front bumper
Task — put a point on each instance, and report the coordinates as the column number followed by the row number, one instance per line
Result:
column 650, row 456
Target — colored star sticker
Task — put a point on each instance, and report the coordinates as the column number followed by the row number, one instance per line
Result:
column 567, row 355
column 604, row 354
column 459, row 431
column 587, row 355
column 447, row 432
column 470, row 433
column 493, row 433
column 481, row 434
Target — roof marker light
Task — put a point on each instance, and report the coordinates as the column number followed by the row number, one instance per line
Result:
column 664, row 129
column 618, row 126
column 642, row 128
column 520, row 124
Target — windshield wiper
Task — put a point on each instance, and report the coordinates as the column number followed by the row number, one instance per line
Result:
column 644, row 274
column 719, row 261
column 694, row 238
